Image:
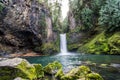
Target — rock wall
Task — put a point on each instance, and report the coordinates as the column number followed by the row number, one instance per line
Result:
column 49, row 29
column 24, row 23
column 71, row 20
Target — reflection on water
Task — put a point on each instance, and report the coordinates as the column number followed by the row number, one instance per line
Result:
column 71, row 61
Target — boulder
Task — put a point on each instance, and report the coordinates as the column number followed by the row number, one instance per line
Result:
column 76, row 73
column 79, row 73
column 52, row 68
column 17, row 67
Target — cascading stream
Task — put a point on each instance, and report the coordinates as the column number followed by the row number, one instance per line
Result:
column 63, row 44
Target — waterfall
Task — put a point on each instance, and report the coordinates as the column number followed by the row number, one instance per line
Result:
column 63, row 44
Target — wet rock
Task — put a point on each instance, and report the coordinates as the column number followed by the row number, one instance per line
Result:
column 16, row 67
column 94, row 76
column 115, row 65
column 18, row 78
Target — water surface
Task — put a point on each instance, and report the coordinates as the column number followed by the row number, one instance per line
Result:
column 111, row 72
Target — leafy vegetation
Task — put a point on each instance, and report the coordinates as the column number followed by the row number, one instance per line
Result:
column 110, row 15
column 87, row 18
column 103, row 44
column 1, row 6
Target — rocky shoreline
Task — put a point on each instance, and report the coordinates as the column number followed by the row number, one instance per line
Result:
column 18, row 68
column 20, row 54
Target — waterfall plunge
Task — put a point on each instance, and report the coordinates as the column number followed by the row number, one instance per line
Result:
column 63, row 44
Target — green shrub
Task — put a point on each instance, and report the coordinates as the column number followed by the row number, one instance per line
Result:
column 87, row 18
column 49, row 48
column 110, row 15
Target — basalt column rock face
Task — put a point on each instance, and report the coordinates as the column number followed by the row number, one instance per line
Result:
column 23, row 23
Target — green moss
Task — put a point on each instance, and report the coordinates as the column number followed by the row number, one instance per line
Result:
column 114, row 43
column 48, row 48
column 84, row 70
column 59, row 74
column 72, row 75
column 28, row 71
column 96, row 46
column 8, row 73
column 93, row 76
column 103, row 44
column 23, row 70
column 72, row 47
column 76, row 73
column 104, row 65
column 52, row 68
column 39, row 70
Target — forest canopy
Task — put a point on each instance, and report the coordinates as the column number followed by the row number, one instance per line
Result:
column 96, row 13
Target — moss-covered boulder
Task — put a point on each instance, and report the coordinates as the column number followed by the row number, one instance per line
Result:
column 102, row 44
column 79, row 73
column 20, row 69
column 17, row 67
column 59, row 74
column 52, row 68
column 93, row 76
column 114, row 43
column 76, row 73
column 97, row 45
column 39, row 70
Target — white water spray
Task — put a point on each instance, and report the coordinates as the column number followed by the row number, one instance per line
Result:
column 63, row 44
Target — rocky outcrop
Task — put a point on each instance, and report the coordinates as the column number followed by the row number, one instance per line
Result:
column 49, row 28
column 24, row 23
column 71, row 20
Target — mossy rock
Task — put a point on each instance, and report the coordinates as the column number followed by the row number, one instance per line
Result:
column 96, row 46
column 94, row 76
column 73, row 47
column 28, row 70
column 114, row 43
column 102, row 44
column 52, row 68
column 49, row 48
column 72, row 75
column 39, row 70
column 103, row 65
column 17, row 67
column 76, row 73
column 59, row 74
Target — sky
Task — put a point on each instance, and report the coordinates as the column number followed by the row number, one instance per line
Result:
column 65, row 8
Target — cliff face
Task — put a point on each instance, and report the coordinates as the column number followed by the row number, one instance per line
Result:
column 24, row 23
column 71, row 20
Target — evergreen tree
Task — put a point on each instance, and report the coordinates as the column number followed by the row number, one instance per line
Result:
column 110, row 15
